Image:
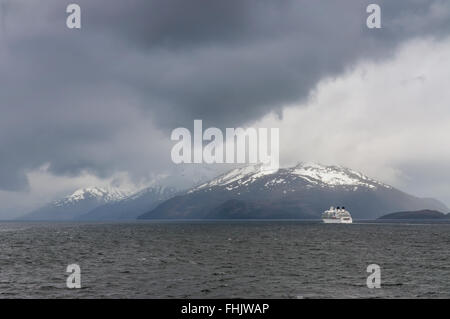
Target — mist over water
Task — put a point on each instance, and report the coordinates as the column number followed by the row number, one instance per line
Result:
column 246, row 259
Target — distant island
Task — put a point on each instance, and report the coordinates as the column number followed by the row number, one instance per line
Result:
column 419, row 214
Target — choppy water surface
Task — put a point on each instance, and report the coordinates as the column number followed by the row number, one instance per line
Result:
column 224, row 259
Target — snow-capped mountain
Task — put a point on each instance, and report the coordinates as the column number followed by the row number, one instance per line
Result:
column 98, row 193
column 302, row 191
column 315, row 175
column 78, row 203
column 130, row 207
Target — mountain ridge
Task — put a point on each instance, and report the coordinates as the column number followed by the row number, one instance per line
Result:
column 419, row 214
column 130, row 207
column 97, row 203
column 80, row 201
column 300, row 191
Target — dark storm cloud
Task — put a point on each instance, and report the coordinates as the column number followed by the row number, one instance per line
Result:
column 216, row 59
column 74, row 99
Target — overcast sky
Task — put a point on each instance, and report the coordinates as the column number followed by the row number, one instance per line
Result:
column 96, row 106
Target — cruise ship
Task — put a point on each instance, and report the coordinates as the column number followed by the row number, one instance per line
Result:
column 338, row 215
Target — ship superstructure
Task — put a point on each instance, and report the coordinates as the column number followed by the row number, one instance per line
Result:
column 338, row 215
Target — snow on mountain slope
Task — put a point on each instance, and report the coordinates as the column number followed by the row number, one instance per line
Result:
column 251, row 172
column 78, row 203
column 102, row 194
column 313, row 174
column 132, row 206
column 334, row 176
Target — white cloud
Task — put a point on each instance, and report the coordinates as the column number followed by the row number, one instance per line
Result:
column 390, row 120
column 45, row 187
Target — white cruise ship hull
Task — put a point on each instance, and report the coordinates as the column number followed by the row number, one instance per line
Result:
column 337, row 221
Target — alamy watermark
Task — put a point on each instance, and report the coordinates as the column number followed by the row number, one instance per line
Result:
column 73, row 20
column 74, row 279
column 239, row 145
column 374, row 19
column 374, row 279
